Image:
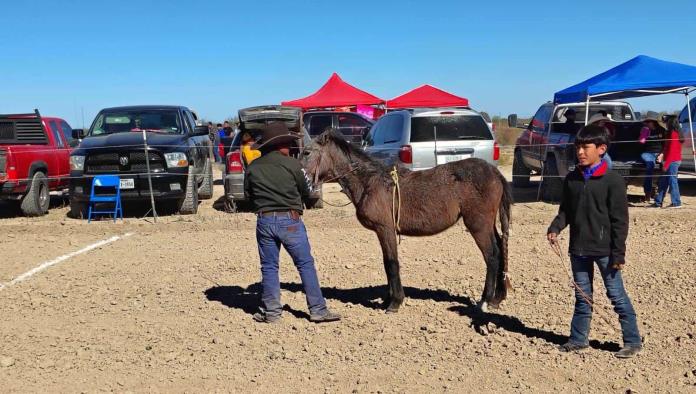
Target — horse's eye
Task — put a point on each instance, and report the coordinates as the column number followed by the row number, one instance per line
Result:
column 306, row 153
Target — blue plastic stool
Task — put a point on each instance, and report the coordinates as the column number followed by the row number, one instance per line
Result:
column 106, row 182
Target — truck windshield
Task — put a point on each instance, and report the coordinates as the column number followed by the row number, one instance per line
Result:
column 449, row 128
column 159, row 121
column 617, row 113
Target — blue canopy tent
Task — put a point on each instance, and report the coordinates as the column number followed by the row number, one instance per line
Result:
column 640, row 76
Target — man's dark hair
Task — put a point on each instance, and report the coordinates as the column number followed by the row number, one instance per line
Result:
column 210, row 123
column 219, row 125
column 592, row 134
column 227, row 122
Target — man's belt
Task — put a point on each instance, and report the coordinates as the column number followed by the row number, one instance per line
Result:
column 292, row 214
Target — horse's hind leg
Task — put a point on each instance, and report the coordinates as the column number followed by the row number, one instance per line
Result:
column 387, row 240
column 484, row 235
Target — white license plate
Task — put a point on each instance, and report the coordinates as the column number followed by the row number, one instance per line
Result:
column 442, row 159
column 127, row 183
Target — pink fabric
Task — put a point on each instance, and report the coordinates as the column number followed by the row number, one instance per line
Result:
column 644, row 134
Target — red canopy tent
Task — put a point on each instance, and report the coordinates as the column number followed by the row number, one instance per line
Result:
column 427, row 96
column 335, row 93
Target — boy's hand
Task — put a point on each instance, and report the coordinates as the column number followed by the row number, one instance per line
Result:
column 552, row 238
column 617, row 266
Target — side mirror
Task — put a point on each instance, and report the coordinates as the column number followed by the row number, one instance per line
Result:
column 78, row 134
column 200, row 130
column 512, row 120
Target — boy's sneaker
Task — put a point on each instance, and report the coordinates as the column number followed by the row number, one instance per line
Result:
column 673, row 206
column 325, row 318
column 654, row 206
column 572, row 347
column 628, row 351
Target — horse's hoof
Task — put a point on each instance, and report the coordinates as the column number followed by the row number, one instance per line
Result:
column 483, row 306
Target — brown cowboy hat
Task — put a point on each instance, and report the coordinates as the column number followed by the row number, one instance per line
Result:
column 275, row 133
column 597, row 118
column 650, row 119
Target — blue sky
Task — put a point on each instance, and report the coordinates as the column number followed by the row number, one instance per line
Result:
column 218, row 56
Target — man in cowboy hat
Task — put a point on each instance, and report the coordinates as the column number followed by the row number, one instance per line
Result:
column 569, row 126
column 277, row 185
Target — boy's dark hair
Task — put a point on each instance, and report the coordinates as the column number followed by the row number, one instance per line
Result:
column 592, row 134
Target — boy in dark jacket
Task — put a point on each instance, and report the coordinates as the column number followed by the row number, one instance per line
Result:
column 595, row 207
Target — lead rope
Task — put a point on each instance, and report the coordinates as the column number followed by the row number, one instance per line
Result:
column 557, row 250
column 396, row 204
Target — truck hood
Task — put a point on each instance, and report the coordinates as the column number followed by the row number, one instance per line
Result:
column 132, row 140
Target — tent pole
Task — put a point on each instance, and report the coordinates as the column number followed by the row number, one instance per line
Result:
column 691, row 128
column 587, row 109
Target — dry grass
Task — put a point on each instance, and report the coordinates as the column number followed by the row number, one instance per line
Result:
column 506, row 137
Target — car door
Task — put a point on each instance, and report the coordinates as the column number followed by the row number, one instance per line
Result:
column 198, row 143
column 687, row 146
column 59, row 167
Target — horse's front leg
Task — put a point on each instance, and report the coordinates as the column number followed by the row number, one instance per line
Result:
column 387, row 240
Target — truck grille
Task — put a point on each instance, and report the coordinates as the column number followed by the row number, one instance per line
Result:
column 123, row 162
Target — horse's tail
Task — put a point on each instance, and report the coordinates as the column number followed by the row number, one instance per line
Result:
column 504, row 215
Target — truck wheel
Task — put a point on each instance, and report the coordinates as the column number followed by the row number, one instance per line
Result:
column 189, row 204
column 38, row 197
column 205, row 192
column 520, row 172
column 552, row 184
column 78, row 210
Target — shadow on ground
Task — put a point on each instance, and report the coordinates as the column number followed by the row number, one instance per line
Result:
column 248, row 300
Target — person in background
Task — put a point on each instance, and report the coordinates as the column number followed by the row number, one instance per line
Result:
column 595, row 206
column 671, row 158
column 216, row 143
column 211, row 131
column 249, row 153
column 651, row 136
column 570, row 127
column 228, row 129
column 601, row 119
column 277, row 186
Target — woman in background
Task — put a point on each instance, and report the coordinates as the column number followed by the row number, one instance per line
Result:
column 671, row 157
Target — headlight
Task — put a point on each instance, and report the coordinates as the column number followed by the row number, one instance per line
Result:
column 77, row 163
column 176, row 159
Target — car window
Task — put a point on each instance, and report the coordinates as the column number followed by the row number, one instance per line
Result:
column 66, row 130
column 393, row 129
column 161, row 121
column 55, row 130
column 376, row 136
column 615, row 112
column 318, row 124
column 351, row 124
column 684, row 114
column 541, row 118
column 449, row 128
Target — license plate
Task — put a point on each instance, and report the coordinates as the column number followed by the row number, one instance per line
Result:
column 127, row 183
column 442, row 159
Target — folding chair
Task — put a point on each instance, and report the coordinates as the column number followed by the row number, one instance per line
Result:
column 110, row 183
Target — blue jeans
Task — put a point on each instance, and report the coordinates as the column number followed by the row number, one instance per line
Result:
column 271, row 232
column 216, row 153
column 669, row 180
column 649, row 159
column 583, row 273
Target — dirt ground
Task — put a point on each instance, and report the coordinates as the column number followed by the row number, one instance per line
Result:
column 168, row 309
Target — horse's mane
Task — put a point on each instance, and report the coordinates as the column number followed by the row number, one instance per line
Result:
column 368, row 165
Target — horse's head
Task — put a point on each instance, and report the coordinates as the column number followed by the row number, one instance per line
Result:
column 326, row 156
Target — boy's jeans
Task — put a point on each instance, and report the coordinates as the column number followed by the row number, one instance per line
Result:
column 583, row 272
column 271, row 232
column 669, row 179
column 649, row 159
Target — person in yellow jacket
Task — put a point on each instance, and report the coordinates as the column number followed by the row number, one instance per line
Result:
column 249, row 153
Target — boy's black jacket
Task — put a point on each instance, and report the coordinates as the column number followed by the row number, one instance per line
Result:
column 597, row 212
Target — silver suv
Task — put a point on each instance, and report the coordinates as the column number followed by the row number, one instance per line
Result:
column 421, row 139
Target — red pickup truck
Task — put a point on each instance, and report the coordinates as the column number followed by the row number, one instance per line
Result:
column 34, row 159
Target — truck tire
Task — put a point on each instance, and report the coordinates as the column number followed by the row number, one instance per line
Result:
column 189, row 204
column 205, row 192
column 38, row 197
column 78, row 209
column 552, row 184
column 520, row 172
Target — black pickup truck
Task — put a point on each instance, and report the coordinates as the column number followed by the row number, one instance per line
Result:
column 179, row 155
column 546, row 146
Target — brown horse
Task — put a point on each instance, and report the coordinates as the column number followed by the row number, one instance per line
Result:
column 431, row 202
